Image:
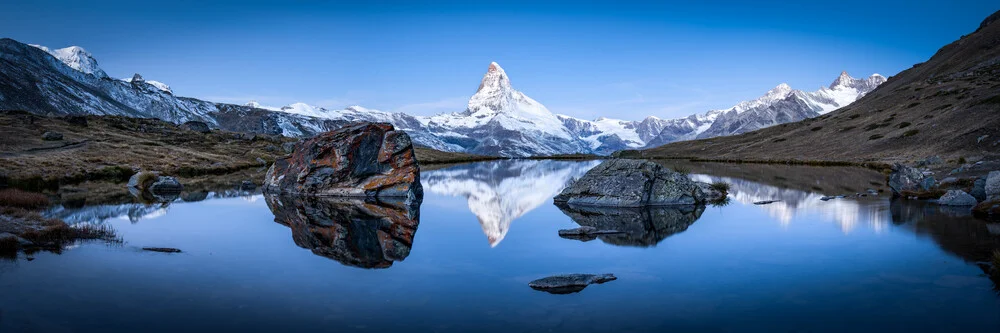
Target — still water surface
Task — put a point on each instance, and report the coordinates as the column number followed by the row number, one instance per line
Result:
column 462, row 260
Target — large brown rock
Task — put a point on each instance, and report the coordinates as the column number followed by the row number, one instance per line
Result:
column 358, row 160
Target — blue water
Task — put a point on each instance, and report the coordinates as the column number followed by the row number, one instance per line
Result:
column 487, row 229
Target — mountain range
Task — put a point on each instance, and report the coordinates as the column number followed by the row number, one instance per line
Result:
column 946, row 106
column 499, row 120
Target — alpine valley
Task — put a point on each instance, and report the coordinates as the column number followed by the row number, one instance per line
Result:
column 498, row 121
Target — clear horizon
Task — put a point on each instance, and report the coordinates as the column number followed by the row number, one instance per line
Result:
column 588, row 61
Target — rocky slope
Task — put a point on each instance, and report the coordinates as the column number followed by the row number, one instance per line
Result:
column 946, row 106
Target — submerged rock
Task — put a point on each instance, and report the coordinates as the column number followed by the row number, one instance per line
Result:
column 635, row 226
column 358, row 160
column 631, row 183
column 905, row 179
column 569, row 283
column 957, row 198
column 352, row 231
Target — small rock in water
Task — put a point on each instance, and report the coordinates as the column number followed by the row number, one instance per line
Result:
column 162, row 249
column 828, row 198
column 905, row 178
column 52, row 136
column 872, row 191
column 765, row 202
column 569, row 283
column 957, row 198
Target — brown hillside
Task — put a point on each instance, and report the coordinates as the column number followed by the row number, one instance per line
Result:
column 948, row 106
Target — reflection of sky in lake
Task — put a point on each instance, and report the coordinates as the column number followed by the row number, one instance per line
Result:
column 742, row 267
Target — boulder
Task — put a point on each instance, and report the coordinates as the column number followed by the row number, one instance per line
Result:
column 356, row 232
column 905, row 179
column 631, row 183
column 957, row 198
column 979, row 189
column 197, row 126
column 52, row 136
column 992, row 185
column 358, row 160
column 569, row 283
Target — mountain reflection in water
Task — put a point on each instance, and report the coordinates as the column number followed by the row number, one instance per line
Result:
column 499, row 192
column 355, row 232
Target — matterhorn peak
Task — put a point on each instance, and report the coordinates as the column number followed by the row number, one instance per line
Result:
column 495, row 79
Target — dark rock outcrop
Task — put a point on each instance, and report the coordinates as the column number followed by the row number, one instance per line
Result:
column 352, row 231
column 635, row 226
column 631, row 183
column 365, row 160
column 197, row 126
column 569, row 283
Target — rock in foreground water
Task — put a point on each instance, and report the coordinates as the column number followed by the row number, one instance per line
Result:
column 631, row 183
column 906, row 179
column 957, row 198
column 357, row 160
column 569, row 283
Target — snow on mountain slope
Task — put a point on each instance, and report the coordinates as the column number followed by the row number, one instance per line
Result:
column 413, row 126
column 782, row 104
column 500, row 192
column 76, row 58
column 502, row 121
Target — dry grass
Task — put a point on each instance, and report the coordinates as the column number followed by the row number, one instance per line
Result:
column 22, row 199
column 427, row 156
column 112, row 148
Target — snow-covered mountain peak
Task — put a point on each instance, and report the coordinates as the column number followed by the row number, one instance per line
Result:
column 76, row 58
column 844, row 80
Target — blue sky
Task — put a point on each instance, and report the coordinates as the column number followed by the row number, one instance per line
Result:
column 623, row 60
